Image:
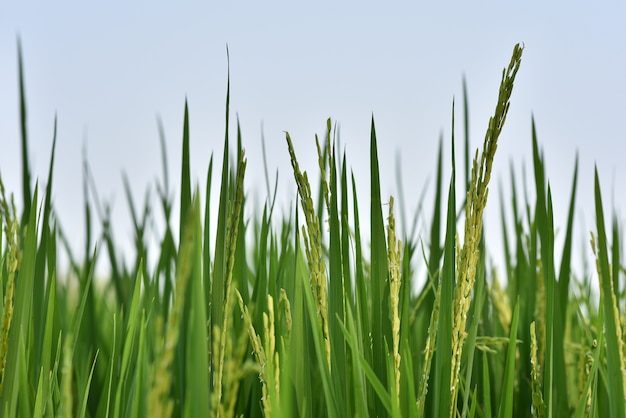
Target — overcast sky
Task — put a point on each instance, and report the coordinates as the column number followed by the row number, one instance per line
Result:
column 107, row 71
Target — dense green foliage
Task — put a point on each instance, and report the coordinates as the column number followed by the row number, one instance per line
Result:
column 297, row 316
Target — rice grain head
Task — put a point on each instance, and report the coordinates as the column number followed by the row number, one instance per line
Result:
column 313, row 246
column 476, row 202
column 538, row 406
column 394, row 250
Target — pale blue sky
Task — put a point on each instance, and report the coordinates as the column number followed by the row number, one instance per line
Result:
column 108, row 70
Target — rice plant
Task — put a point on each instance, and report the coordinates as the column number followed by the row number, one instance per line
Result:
column 294, row 314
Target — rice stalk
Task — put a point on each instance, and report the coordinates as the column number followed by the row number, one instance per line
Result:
column 232, row 230
column 429, row 351
column 394, row 250
column 13, row 257
column 269, row 331
column 585, row 376
column 235, row 369
column 538, row 407
column 614, row 344
column 540, row 314
column 476, row 202
column 223, row 401
column 313, row 246
column 265, row 355
column 285, row 313
column 322, row 157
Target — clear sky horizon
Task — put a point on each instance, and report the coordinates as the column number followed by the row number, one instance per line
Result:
column 107, row 71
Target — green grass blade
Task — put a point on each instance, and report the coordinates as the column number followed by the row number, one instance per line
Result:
column 82, row 411
column 381, row 326
column 219, row 259
column 382, row 394
column 345, row 238
column 185, row 178
column 360, row 283
column 358, row 375
column 486, row 387
column 581, row 407
column 138, row 407
column 39, row 287
column 24, row 401
column 128, row 345
column 566, row 257
column 26, row 178
column 435, row 249
column 555, row 392
column 22, row 316
column 466, row 148
column 41, row 393
column 336, row 295
column 444, row 325
column 506, row 402
column 611, row 317
column 320, row 351
column 196, row 374
column 206, row 262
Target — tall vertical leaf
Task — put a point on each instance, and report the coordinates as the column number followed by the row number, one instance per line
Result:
column 381, row 326
column 614, row 370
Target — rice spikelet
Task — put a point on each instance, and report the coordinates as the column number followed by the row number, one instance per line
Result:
column 11, row 228
column 232, row 229
column 394, row 250
column 429, row 351
column 313, row 246
column 266, row 357
column 538, row 407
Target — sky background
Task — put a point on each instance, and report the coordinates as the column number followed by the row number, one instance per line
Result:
column 107, row 71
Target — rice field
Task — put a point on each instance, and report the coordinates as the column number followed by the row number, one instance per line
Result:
column 295, row 314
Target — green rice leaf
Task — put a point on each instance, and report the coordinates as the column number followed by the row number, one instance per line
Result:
column 381, row 326
column 444, row 325
column 39, row 285
column 26, row 178
column 336, row 296
column 22, row 316
column 615, row 377
column 486, row 387
column 196, row 373
column 508, row 389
